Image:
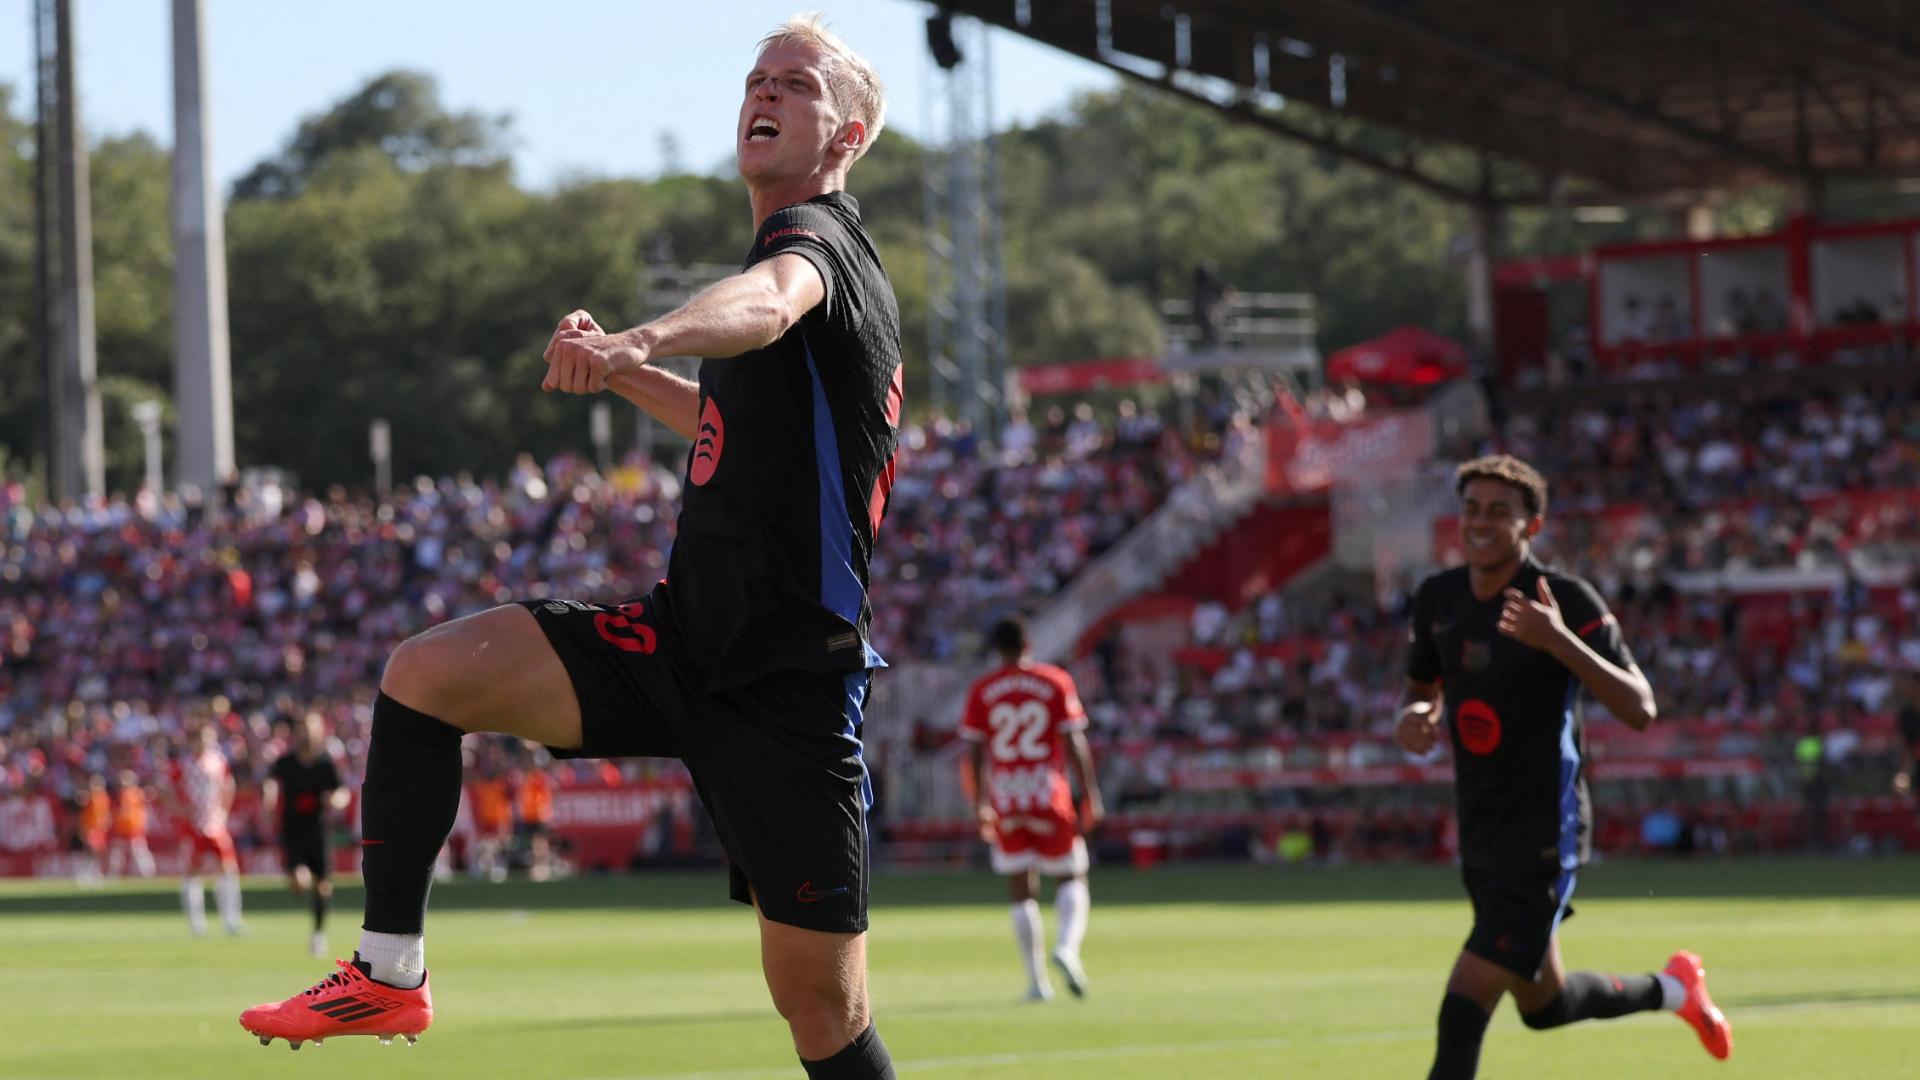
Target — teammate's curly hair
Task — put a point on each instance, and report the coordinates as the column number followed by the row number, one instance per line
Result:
column 1508, row 470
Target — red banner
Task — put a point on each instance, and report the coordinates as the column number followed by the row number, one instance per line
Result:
column 1085, row 376
column 1305, row 456
column 599, row 827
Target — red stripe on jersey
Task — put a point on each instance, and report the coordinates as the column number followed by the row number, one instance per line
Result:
column 877, row 502
column 1594, row 625
column 883, row 484
column 896, row 393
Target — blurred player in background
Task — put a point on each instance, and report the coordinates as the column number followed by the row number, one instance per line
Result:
column 492, row 823
column 202, row 794
column 95, row 820
column 533, row 819
column 303, row 786
column 128, row 839
column 1027, row 732
column 1501, row 649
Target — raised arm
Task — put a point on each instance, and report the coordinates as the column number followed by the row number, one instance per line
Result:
column 735, row 315
column 738, row 314
column 1621, row 687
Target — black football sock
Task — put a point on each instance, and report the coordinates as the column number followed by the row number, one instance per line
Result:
column 1456, row 1053
column 865, row 1058
column 411, row 796
column 320, row 900
column 1589, row 995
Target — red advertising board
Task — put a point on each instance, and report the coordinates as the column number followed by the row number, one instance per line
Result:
column 600, row 826
column 1086, row 376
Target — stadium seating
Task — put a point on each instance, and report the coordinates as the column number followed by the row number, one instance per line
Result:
column 122, row 624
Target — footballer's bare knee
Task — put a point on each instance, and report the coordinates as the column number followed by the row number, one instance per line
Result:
column 821, row 1021
column 819, row 985
column 494, row 671
column 423, row 673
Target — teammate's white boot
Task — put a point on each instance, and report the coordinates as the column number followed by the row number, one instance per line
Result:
column 1070, row 969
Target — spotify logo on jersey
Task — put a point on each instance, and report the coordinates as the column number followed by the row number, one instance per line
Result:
column 1478, row 726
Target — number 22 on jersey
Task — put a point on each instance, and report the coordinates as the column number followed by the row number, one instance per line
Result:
column 1020, row 731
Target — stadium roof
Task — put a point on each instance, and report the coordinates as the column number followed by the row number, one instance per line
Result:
column 1638, row 98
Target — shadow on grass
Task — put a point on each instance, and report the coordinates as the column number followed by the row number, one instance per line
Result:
column 1893, row 879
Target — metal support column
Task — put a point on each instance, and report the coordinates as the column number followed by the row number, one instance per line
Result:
column 966, row 335
column 202, row 376
column 79, row 461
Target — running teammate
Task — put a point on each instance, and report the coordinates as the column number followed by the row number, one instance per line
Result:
column 1502, row 648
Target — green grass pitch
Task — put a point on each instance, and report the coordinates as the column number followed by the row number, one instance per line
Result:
column 1196, row 972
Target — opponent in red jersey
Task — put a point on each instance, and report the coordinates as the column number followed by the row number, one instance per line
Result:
column 1023, row 718
column 203, row 790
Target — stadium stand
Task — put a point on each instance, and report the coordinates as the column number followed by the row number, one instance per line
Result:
column 1757, row 550
column 128, row 623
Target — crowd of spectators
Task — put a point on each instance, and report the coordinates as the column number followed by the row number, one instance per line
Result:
column 1272, row 692
column 973, row 534
column 1661, row 503
column 1774, row 662
column 1661, row 452
column 1790, row 479
column 126, row 624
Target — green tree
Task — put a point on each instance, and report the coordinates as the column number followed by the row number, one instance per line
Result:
column 386, row 263
column 22, row 394
column 131, row 182
column 399, row 114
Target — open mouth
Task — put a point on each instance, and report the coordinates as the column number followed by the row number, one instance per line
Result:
column 763, row 129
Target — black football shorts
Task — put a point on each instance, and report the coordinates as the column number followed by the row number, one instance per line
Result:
column 776, row 762
column 308, row 848
column 1515, row 915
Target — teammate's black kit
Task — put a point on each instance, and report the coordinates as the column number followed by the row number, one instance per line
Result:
column 304, row 787
column 1513, row 713
column 749, row 662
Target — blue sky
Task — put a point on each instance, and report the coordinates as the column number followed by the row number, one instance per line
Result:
column 592, row 85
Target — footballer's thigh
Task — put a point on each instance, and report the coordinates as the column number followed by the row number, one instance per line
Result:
column 493, row 671
column 1532, row 996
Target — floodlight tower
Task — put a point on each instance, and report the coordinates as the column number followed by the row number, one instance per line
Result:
column 966, row 280
column 77, row 459
column 202, row 380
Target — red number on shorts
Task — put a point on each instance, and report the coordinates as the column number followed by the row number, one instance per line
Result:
column 622, row 632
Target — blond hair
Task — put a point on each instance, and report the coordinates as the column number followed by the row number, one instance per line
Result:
column 852, row 84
